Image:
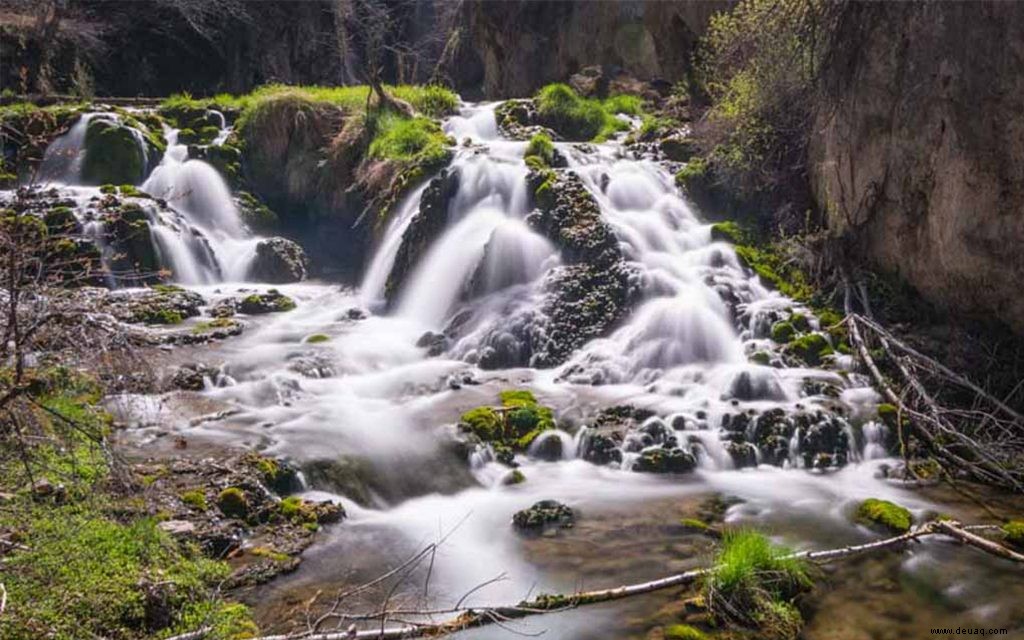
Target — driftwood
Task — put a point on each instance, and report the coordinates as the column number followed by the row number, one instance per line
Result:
column 467, row 617
column 984, row 441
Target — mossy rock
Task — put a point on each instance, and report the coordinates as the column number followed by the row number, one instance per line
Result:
column 783, row 332
column 233, row 503
column 885, row 515
column 195, row 499
column 269, row 302
column 665, row 460
column 317, row 338
column 113, row 154
column 60, row 220
column 515, row 425
column 811, row 348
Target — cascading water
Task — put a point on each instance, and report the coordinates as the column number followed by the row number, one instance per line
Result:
column 380, row 396
column 199, row 236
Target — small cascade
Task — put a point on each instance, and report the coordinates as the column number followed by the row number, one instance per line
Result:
column 198, row 236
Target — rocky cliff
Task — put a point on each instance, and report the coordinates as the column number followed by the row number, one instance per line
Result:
column 918, row 151
column 512, row 48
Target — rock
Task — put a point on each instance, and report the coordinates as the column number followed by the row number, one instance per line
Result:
column 130, row 241
column 279, row 261
column 270, row 302
column 678, row 148
column 884, row 515
column 434, row 343
column 544, row 515
column 601, row 449
column 114, row 153
column 160, row 304
column 590, row 82
column 233, row 503
column 665, row 460
column 192, row 377
column 425, row 227
column 547, row 447
column 177, row 527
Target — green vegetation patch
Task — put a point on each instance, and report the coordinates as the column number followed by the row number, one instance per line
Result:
column 542, row 148
column 1014, row 533
column 318, row 338
column 884, row 514
column 560, row 108
column 515, row 424
column 755, row 582
column 233, row 503
column 683, row 632
column 419, row 139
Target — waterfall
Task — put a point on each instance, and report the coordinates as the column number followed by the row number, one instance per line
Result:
column 199, row 236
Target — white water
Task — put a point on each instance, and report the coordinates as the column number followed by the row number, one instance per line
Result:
column 680, row 352
column 200, row 239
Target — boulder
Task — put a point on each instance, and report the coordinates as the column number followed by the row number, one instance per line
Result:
column 114, row 153
column 665, row 460
column 544, row 516
column 279, row 261
column 269, row 302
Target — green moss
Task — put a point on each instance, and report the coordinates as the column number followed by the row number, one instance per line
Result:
column 516, row 477
column 270, row 554
column 683, row 632
column 161, row 316
column 108, row 189
column 576, row 118
column 695, row 171
column 1014, row 532
column 783, row 332
column 729, row 231
column 515, row 426
column 885, row 514
column 213, row 325
column 112, row 154
column 888, row 413
column 195, row 499
column 233, row 503
column 761, row 357
column 800, row 322
column 318, row 338
column 695, row 525
column 811, row 348
column 291, row 507
column 541, row 148
column 418, row 139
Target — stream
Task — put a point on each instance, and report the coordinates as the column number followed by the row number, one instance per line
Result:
column 371, row 396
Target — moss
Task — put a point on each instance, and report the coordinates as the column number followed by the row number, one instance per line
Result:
column 810, row 348
column 683, row 632
column 729, row 231
column 161, row 316
column 112, row 154
column 270, row 554
column 761, row 357
column 516, row 477
column 255, row 213
column 60, row 220
column 518, row 423
column 1014, row 533
column 214, row 325
column 318, row 338
column 233, row 503
column 576, row 118
column 783, row 332
column 195, row 499
column 418, row 139
column 108, row 189
column 800, row 322
column 888, row 413
column 884, row 514
column 291, row 507
column 695, row 525
column 695, row 171
column 541, row 148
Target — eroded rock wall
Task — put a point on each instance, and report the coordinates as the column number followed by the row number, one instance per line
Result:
column 918, row 153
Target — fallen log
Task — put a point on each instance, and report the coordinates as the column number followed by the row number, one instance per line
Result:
column 469, row 617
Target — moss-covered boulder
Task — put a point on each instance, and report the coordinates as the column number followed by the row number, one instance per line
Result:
column 114, row 153
column 279, row 261
column 882, row 514
column 665, row 460
column 510, row 427
column 1013, row 533
column 810, row 348
column 233, row 503
column 546, row 515
column 130, row 240
column 270, row 302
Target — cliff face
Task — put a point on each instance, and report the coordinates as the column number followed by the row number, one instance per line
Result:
column 918, row 153
column 512, row 48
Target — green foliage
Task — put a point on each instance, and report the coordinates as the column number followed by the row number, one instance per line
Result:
column 783, row 332
column 810, row 348
column 757, row 63
column 85, row 575
column 576, row 118
column 886, row 515
column 683, row 632
column 233, row 503
column 396, row 137
column 692, row 174
column 1014, row 532
column 541, row 147
column 195, row 499
column 754, row 583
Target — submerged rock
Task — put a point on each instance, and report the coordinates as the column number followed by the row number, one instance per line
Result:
column 544, row 516
column 279, row 261
column 665, row 460
column 192, row 377
column 270, row 302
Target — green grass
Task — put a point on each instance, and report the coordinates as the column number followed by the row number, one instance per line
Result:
column 887, row 515
column 683, row 632
column 576, row 118
column 754, row 582
column 396, row 137
column 84, row 575
column 432, row 101
column 517, row 427
column 541, row 147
